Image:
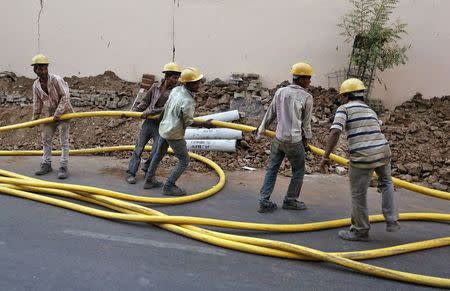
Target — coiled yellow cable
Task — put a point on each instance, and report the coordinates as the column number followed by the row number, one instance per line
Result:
column 26, row 187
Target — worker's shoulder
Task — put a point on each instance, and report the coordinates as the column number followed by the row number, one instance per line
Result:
column 301, row 92
column 155, row 86
column 342, row 108
column 57, row 79
column 35, row 83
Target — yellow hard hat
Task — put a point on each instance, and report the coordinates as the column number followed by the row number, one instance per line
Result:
column 171, row 67
column 351, row 85
column 190, row 74
column 39, row 59
column 302, row 69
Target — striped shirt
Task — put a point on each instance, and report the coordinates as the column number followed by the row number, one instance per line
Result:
column 292, row 107
column 178, row 113
column 367, row 145
column 56, row 102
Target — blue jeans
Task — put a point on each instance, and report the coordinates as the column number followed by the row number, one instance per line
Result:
column 149, row 130
column 295, row 152
column 359, row 183
column 180, row 150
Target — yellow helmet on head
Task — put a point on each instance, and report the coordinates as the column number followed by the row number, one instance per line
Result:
column 351, row 85
column 302, row 69
column 39, row 59
column 190, row 75
column 171, row 67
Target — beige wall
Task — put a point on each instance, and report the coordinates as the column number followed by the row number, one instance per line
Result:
column 217, row 36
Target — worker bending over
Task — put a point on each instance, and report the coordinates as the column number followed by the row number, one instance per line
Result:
column 178, row 114
column 152, row 104
column 51, row 93
column 369, row 152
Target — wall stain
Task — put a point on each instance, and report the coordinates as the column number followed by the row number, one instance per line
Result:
column 41, row 2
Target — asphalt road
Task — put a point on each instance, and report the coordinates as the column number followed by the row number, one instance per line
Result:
column 43, row 247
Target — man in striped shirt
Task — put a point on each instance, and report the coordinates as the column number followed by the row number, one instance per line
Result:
column 369, row 151
column 51, row 92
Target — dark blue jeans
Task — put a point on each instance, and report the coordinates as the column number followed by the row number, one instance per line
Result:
column 180, row 151
column 149, row 130
column 295, row 152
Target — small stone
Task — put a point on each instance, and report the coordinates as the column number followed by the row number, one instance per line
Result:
column 238, row 95
column 407, row 178
column 427, row 167
column 245, row 144
column 401, row 168
column 225, row 99
column 252, row 76
column 237, row 75
column 341, row 171
column 414, row 168
column 439, row 186
column 211, row 103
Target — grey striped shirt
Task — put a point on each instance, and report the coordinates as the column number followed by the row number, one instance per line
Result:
column 367, row 144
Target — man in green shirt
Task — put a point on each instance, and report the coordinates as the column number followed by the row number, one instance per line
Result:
column 178, row 114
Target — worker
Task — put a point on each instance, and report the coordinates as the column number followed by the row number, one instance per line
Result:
column 152, row 104
column 178, row 114
column 51, row 92
column 292, row 108
column 369, row 152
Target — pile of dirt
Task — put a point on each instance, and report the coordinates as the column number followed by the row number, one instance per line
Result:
column 22, row 86
column 419, row 134
column 418, row 130
column 106, row 81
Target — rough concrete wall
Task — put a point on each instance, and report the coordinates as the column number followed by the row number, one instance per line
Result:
column 219, row 37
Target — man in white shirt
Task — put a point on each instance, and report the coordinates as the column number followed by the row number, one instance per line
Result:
column 51, row 92
column 292, row 108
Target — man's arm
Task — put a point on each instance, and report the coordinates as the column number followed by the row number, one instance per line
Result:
column 205, row 124
column 187, row 114
column 37, row 105
column 306, row 121
column 332, row 141
column 269, row 117
column 161, row 115
column 149, row 112
column 64, row 102
column 145, row 102
column 338, row 125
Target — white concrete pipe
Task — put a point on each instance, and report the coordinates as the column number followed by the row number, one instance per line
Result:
column 216, row 145
column 213, row 133
column 227, row 116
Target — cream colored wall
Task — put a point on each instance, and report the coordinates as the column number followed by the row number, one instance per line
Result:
column 217, row 36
